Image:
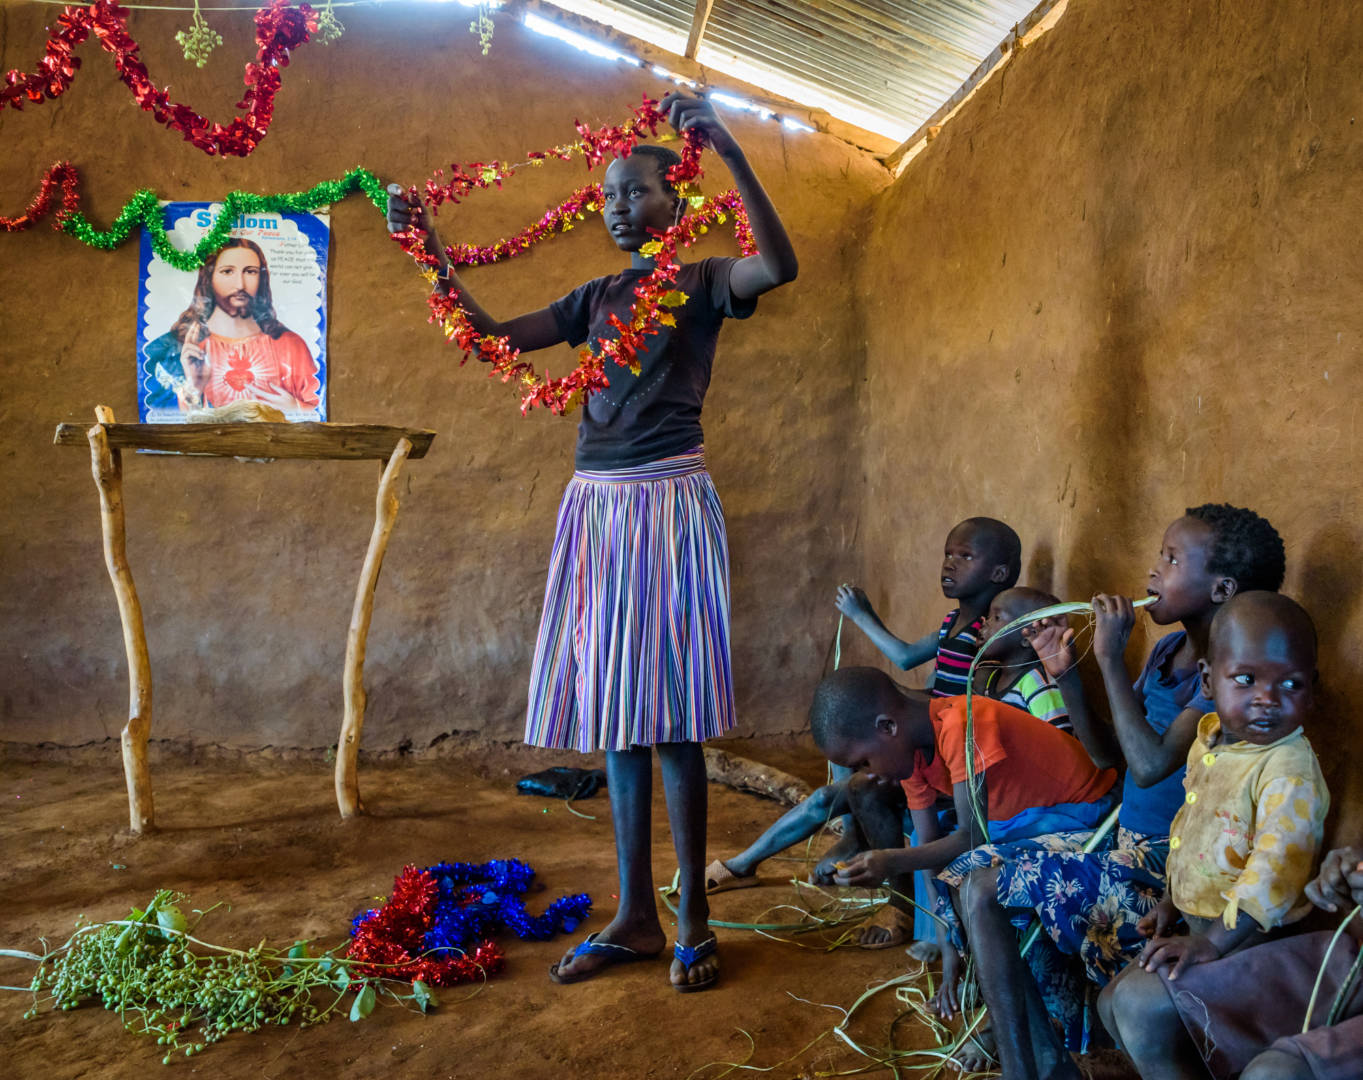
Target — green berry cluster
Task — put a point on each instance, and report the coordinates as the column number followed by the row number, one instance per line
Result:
column 483, row 26
column 329, row 28
column 199, row 40
column 144, row 969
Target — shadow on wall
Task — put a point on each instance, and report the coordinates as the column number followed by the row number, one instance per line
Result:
column 1040, row 571
column 1110, row 396
column 1330, row 591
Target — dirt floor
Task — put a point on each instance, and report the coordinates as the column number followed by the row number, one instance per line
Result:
column 265, row 837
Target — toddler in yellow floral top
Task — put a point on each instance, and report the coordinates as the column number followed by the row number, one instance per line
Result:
column 1244, row 845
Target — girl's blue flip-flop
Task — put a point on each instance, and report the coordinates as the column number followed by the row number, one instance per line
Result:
column 688, row 955
column 614, row 954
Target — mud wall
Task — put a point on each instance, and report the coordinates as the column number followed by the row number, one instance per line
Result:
column 247, row 571
column 1122, row 281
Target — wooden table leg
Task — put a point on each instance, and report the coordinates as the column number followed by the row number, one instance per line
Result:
column 352, row 724
column 107, row 466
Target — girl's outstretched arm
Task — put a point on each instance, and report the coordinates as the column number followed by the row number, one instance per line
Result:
column 534, row 330
column 853, row 603
column 775, row 264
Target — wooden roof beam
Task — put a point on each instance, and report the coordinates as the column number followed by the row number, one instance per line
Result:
column 698, row 21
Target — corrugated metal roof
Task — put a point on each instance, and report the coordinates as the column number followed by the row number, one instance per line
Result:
column 886, row 65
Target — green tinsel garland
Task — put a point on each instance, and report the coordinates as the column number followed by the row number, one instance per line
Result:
column 145, row 210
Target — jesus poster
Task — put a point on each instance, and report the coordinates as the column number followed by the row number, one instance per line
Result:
column 249, row 325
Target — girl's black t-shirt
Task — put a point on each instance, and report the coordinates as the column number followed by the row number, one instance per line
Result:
column 655, row 414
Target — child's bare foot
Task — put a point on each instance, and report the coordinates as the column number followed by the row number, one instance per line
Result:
column 618, row 943
column 825, row 868
column 695, row 964
column 885, row 929
column 926, row 952
column 978, row 1053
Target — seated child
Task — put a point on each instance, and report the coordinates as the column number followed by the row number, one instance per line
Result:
column 1089, row 903
column 1328, row 1051
column 1242, row 847
column 1026, row 775
column 1022, row 669
column 1010, row 672
column 981, row 559
column 1243, row 1015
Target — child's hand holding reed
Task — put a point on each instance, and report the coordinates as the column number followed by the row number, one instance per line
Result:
column 1113, row 619
column 851, row 601
column 1340, row 881
column 864, row 868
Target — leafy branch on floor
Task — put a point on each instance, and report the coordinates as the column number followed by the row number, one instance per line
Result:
column 163, row 981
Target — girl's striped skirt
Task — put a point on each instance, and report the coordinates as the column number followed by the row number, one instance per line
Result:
column 633, row 645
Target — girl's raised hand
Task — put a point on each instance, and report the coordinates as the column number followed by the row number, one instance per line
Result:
column 851, row 601
column 1113, row 618
column 686, row 111
column 405, row 211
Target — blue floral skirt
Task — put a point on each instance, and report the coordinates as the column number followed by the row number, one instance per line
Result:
column 1058, row 977
column 1088, row 905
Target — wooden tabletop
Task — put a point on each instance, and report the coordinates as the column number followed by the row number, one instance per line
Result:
column 318, row 441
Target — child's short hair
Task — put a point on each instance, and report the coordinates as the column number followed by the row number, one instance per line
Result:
column 1244, row 546
column 1003, row 543
column 1032, row 599
column 1285, row 611
column 665, row 157
column 847, row 702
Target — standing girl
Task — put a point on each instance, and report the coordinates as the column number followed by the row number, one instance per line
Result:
column 633, row 646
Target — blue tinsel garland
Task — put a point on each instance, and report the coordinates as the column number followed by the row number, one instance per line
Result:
column 476, row 900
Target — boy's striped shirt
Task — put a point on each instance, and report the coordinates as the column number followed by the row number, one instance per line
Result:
column 954, row 655
column 1036, row 693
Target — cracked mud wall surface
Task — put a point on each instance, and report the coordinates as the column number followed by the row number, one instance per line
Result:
column 1124, row 280
column 247, row 572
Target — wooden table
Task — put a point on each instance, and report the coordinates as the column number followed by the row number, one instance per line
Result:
column 315, row 441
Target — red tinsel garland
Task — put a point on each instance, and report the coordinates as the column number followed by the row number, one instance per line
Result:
column 653, row 293
column 279, row 28
column 61, row 175
column 389, row 945
column 594, row 144
column 558, row 220
column 576, row 206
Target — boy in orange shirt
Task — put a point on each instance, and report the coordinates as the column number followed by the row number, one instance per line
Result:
column 1029, row 779
column 1025, row 771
